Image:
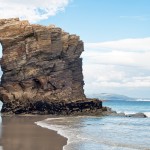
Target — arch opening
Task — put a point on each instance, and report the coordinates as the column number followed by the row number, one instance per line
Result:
column 1, row 49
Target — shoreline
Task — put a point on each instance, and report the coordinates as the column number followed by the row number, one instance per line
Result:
column 21, row 132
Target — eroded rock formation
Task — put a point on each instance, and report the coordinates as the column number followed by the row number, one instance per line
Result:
column 42, row 69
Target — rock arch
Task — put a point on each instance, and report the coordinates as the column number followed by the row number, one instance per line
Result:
column 1, row 48
column 42, row 68
column 0, row 71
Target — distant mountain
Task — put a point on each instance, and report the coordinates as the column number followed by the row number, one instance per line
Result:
column 109, row 96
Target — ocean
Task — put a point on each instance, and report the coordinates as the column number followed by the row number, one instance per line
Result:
column 106, row 133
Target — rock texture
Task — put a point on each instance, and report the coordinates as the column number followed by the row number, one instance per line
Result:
column 42, row 70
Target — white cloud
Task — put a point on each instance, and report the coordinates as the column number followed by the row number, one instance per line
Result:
column 112, row 79
column 122, row 64
column 134, row 59
column 133, row 82
column 32, row 10
column 139, row 44
column 99, row 73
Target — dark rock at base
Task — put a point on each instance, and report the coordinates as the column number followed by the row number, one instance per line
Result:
column 80, row 107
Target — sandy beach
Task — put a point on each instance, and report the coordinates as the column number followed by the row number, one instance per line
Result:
column 21, row 133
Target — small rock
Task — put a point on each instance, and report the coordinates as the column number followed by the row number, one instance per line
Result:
column 137, row 115
column 122, row 114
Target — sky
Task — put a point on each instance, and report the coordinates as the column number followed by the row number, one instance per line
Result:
column 116, row 39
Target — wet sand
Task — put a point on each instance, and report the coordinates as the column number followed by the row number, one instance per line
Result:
column 21, row 133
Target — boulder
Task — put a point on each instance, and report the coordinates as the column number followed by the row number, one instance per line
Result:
column 137, row 115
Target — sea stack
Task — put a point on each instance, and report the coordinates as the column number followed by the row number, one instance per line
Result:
column 42, row 70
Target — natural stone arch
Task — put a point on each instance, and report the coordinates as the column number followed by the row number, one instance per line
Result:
column 42, row 69
column 1, row 48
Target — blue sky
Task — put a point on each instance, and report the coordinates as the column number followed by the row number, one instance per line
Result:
column 104, row 20
column 116, row 36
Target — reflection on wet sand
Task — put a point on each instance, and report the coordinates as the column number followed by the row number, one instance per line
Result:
column 20, row 133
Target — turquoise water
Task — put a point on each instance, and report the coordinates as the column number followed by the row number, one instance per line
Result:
column 130, row 106
column 105, row 133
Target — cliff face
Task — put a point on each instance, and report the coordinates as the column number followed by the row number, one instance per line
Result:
column 41, row 66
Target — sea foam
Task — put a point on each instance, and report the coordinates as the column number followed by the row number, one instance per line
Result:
column 96, row 133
